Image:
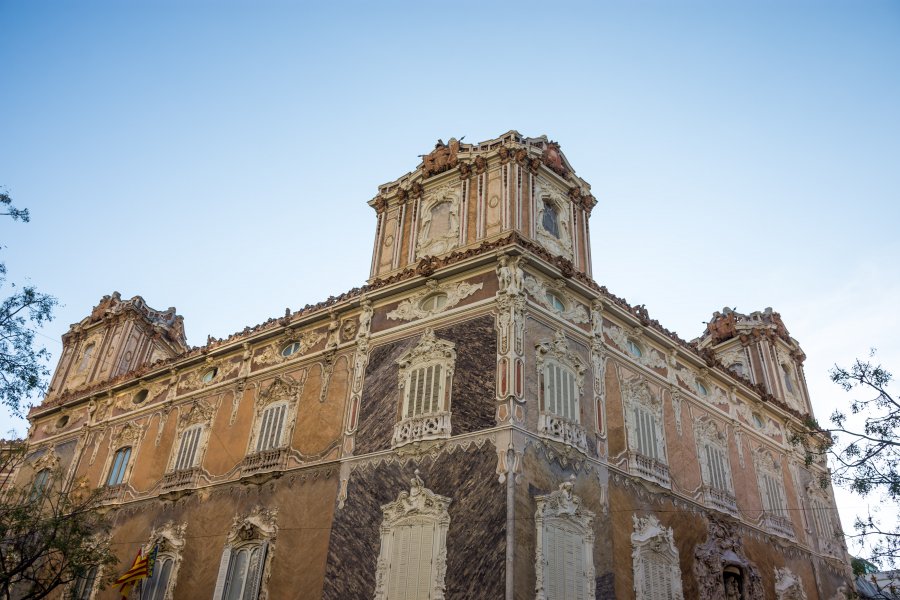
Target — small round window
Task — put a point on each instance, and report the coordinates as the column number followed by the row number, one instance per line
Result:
column 140, row 396
column 434, row 302
column 209, row 375
column 701, row 389
column 290, row 349
column 634, row 349
column 62, row 421
column 556, row 302
column 757, row 420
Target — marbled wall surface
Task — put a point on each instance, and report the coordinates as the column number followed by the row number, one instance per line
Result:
column 476, row 539
column 474, row 387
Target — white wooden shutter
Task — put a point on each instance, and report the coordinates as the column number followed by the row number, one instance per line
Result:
column 254, row 578
column 223, row 573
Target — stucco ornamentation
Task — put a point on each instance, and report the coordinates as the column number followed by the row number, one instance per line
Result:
column 560, row 514
column 557, row 238
column 438, row 226
column 569, row 431
column 419, row 507
column 724, row 549
column 540, row 291
column 657, row 575
column 454, row 293
column 788, row 586
column 650, row 357
column 273, row 352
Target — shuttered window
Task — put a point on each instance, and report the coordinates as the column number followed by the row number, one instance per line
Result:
column 560, row 392
column 156, row 586
column 718, row 473
column 84, row 585
column 410, row 573
column 187, row 450
column 658, row 578
column 563, row 552
column 646, row 429
column 772, row 495
column 271, row 427
column 424, row 392
column 243, row 577
column 821, row 519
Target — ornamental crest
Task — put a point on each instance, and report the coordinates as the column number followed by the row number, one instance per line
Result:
column 438, row 222
column 417, row 307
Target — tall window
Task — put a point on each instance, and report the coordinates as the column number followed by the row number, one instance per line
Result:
column 771, row 491
column 788, row 379
column 86, row 358
column 41, row 480
column 561, row 376
column 560, row 392
column 245, row 569
column 712, row 448
column 187, row 449
column 412, row 561
column 565, row 547
column 83, row 587
column 657, row 575
column 156, row 586
column 119, row 464
column 426, row 376
column 644, row 430
column 271, row 427
column 550, row 219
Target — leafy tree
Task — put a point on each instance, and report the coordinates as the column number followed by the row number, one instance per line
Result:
column 51, row 534
column 23, row 368
column 865, row 448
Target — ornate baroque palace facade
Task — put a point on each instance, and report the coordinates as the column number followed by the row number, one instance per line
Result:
column 481, row 420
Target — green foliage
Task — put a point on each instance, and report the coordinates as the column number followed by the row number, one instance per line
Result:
column 50, row 531
column 23, row 368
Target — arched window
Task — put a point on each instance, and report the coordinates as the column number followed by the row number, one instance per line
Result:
column 434, row 302
column 412, row 560
column 644, row 430
column 291, row 348
column 771, row 490
column 245, row 557
column 157, row 585
column 788, row 378
column 657, row 574
column 550, row 219
column 555, row 302
column 119, row 464
column 83, row 587
column 41, row 482
column 715, row 468
column 634, row 349
column 86, row 358
column 564, row 561
column 426, row 381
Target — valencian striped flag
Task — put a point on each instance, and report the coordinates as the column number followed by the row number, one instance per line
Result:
column 141, row 568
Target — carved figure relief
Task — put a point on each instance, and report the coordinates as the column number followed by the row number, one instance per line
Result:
column 564, row 529
column 442, row 158
column 553, row 218
column 657, row 575
column 510, row 275
column 788, row 586
column 419, row 516
column 438, row 227
column 445, row 295
column 721, row 567
column 543, row 292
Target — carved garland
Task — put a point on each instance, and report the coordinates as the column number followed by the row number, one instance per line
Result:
column 411, row 308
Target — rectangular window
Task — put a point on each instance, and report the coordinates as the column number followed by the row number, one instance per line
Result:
column 564, row 553
column 187, row 452
column 821, row 519
column 120, row 462
column 156, row 586
column 560, row 393
column 244, row 574
column 84, row 585
column 772, row 495
column 424, row 393
column 718, row 474
column 410, row 571
column 271, row 428
column 646, row 429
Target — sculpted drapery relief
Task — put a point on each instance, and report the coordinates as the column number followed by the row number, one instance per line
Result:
column 438, row 221
column 454, row 293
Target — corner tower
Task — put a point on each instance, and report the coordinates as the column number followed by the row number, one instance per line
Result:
column 463, row 195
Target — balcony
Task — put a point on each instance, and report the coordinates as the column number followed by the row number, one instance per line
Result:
column 779, row 524
column 720, row 500
column 112, row 493
column 563, row 430
column 424, row 427
column 274, row 459
column 649, row 468
column 179, row 480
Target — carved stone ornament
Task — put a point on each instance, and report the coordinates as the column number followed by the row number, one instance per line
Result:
column 539, row 290
column 198, row 378
column 259, row 524
column 657, row 575
column 411, row 308
column 196, row 413
column 722, row 558
column 559, row 516
column 557, row 239
column 650, row 357
column 438, row 221
column 127, row 435
column 417, row 508
column 509, row 275
column 273, row 352
column 283, row 389
column 442, row 158
column 48, row 460
column 788, row 586
column 639, row 396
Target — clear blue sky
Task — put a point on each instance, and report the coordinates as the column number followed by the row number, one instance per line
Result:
column 217, row 156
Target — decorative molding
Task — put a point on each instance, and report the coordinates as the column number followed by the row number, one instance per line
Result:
column 432, row 243
column 651, row 541
column 429, row 352
column 417, row 507
column 259, row 524
column 676, row 409
column 547, row 193
column 637, row 393
column 510, row 276
column 410, row 308
column 717, row 559
column 550, row 424
column 562, row 510
column 788, row 586
column 650, row 357
column 538, row 288
column 710, row 438
column 272, row 354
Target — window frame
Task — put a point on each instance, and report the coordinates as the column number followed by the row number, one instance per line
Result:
column 122, row 468
column 562, row 511
column 652, row 541
column 281, row 442
column 254, row 530
column 645, row 424
column 198, row 430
